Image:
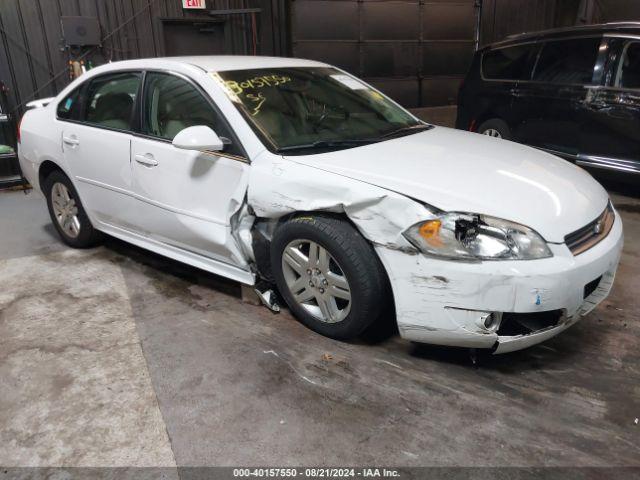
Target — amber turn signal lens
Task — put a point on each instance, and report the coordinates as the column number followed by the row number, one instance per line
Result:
column 430, row 231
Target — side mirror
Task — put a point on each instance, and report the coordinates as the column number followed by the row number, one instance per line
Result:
column 200, row 138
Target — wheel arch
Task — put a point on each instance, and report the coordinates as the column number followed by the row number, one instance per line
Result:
column 486, row 116
column 262, row 242
column 264, row 228
column 46, row 168
column 491, row 111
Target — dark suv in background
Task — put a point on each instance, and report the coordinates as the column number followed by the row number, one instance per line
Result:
column 572, row 92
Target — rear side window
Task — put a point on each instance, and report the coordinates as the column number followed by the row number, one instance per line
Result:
column 68, row 107
column 628, row 74
column 110, row 100
column 567, row 61
column 511, row 63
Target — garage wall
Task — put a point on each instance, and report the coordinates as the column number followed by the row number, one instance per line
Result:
column 618, row 10
column 34, row 61
column 501, row 18
column 415, row 51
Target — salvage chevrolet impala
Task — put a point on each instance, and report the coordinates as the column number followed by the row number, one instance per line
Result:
column 292, row 174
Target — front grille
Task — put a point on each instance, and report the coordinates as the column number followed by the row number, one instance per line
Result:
column 586, row 237
column 513, row 324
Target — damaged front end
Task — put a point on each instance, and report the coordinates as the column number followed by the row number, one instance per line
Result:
column 279, row 189
column 517, row 298
column 502, row 306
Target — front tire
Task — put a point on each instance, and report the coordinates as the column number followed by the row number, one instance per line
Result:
column 67, row 213
column 329, row 275
column 495, row 128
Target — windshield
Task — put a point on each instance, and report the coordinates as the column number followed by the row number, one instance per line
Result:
column 314, row 108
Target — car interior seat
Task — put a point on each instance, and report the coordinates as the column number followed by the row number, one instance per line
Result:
column 112, row 110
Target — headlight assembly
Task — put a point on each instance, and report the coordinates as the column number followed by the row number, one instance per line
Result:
column 471, row 236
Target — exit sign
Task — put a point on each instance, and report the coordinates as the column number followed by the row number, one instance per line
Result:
column 193, row 4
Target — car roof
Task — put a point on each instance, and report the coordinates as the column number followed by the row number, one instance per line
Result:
column 215, row 63
column 580, row 30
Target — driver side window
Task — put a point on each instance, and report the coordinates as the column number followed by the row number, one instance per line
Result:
column 172, row 104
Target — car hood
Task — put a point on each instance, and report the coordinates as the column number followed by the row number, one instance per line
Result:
column 465, row 172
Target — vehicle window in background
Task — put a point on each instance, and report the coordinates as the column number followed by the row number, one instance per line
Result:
column 292, row 107
column 628, row 75
column 511, row 63
column 68, row 107
column 567, row 61
column 110, row 100
column 173, row 104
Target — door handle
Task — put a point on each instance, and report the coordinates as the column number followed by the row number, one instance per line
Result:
column 71, row 141
column 146, row 159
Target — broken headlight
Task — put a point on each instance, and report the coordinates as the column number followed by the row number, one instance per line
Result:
column 472, row 236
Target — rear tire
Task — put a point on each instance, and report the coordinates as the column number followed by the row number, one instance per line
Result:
column 329, row 275
column 67, row 213
column 495, row 128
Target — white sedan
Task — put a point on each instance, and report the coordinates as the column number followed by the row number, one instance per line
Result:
column 292, row 174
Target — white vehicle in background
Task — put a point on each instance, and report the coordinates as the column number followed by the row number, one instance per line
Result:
column 287, row 172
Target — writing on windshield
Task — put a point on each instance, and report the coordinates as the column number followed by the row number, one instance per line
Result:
column 311, row 105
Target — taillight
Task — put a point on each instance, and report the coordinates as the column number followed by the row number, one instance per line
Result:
column 18, row 132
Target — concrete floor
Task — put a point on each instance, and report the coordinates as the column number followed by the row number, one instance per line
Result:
column 117, row 357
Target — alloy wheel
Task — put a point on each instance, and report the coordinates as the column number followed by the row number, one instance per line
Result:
column 65, row 210
column 492, row 132
column 316, row 281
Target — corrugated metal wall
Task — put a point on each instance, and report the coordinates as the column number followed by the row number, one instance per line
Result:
column 416, row 51
column 616, row 10
column 501, row 18
column 34, row 63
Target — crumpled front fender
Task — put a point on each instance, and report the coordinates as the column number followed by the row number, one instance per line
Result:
column 278, row 187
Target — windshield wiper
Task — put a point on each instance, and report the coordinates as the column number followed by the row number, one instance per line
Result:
column 327, row 144
column 406, row 130
column 354, row 142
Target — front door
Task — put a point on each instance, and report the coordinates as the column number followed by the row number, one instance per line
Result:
column 96, row 145
column 186, row 199
column 611, row 130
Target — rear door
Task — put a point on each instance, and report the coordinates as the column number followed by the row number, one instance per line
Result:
column 187, row 199
column 611, row 128
column 502, row 70
column 549, row 106
column 96, row 142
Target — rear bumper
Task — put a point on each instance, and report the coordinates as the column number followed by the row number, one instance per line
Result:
column 29, row 169
column 446, row 302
